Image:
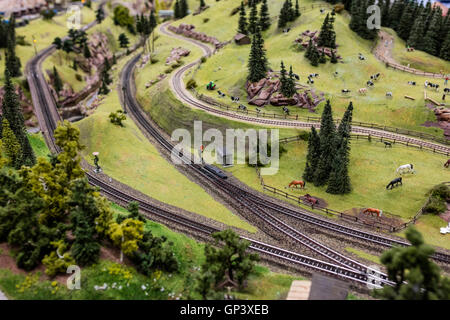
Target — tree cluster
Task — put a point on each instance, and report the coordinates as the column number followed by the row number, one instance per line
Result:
column 359, row 17
column 288, row 13
column 106, row 79
column 181, row 9
column 327, row 35
column 328, row 155
column 287, row 82
column 51, row 214
column 8, row 41
column 123, row 18
column 227, row 259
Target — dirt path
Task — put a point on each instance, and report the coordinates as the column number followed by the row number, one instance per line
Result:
column 383, row 52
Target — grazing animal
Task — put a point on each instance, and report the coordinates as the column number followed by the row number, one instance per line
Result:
column 394, row 183
column 297, row 183
column 313, row 201
column 313, row 75
column 296, row 76
column 258, row 110
column 413, row 83
column 234, row 99
column 310, row 81
column 375, row 76
column 221, row 94
column 286, row 110
column 447, row 164
column 361, row 57
column 406, row 168
column 389, row 94
column 387, row 144
column 370, row 83
column 431, row 85
column 242, row 107
column 373, row 211
column 446, row 90
column 286, row 30
column 362, row 91
column 345, row 91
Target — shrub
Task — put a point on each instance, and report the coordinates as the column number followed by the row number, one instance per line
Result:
column 435, row 206
column 48, row 14
column 168, row 70
column 191, row 84
column 205, row 20
column 438, row 199
column 78, row 77
column 304, row 135
column 203, row 59
column 117, row 117
column 20, row 40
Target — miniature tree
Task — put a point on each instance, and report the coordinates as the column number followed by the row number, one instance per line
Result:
column 99, row 15
column 57, row 81
column 123, row 41
column 264, row 17
column 242, row 27
column 313, row 155
column 11, row 146
column 253, row 19
column 257, row 63
column 117, row 117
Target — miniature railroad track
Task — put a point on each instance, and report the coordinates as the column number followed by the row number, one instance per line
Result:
column 177, row 83
column 48, row 118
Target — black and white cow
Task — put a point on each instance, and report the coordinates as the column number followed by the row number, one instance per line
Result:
column 413, row 83
column 446, row 90
column 221, row 94
column 296, row 76
column 286, row 30
column 234, row 99
column 370, row 83
column 313, row 75
column 286, row 110
column 389, row 94
column 345, row 91
column 242, row 107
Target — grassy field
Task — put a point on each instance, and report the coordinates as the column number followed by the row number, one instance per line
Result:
column 353, row 73
column 264, row 284
column 37, row 142
column 364, row 255
column 122, row 148
column 417, row 59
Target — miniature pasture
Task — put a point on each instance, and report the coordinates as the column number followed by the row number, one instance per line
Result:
column 228, row 68
column 126, row 155
column 417, row 59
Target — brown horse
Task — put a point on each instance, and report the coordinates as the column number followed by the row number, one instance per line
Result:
column 313, row 201
column 297, row 183
column 373, row 211
column 447, row 164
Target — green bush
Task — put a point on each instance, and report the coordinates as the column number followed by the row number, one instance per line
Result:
column 435, row 206
column 441, row 192
column 168, row 70
column 203, row 59
column 205, row 20
column 304, row 135
column 438, row 199
column 78, row 77
column 117, row 117
column 191, row 84
column 20, row 40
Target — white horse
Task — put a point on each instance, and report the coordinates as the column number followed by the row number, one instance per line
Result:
column 406, row 168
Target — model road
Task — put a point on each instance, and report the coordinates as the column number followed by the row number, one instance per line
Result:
column 48, row 118
column 177, row 85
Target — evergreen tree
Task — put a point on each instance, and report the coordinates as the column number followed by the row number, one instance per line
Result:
column 242, row 28
column 324, row 35
column 202, row 4
column 315, row 56
column 11, row 146
column 445, row 50
column 12, row 61
column 313, row 156
column 333, row 57
column 257, row 63
column 284, row 16
column 291, row 11
column 283, row 79
column 264, row 17
column 416, row 277
column 86, row 52
column 99, row 15
column 57, row 81
column 431, row 40
column 322, row 58
column 309, row 49
column 152, row 21
column 356, row 19
column 297, row 9
column 12, row 111
column 253, row 19
column 176, row 10
column 184, row 8
column 395, row 13
column 417, row 32
column 327, row 146
column 123, row 40
column 406, row 21
column 385, row 7
column 290, row 89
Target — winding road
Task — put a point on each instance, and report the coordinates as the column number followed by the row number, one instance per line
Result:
column 180, row 91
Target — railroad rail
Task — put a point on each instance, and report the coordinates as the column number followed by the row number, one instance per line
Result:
column 48, row 117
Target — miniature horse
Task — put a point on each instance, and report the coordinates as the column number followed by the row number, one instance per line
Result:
column 297, row 183
column 313, row 201
column 394, row 183
column 373, row 211
column 447, row 164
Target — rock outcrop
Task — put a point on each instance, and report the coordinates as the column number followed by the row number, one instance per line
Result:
column 176, row 54
column 304, row 38
column 188, row 31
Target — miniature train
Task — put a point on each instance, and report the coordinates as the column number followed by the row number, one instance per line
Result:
column 216, row 171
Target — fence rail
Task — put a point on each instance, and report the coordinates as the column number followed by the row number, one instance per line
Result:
column 378, row 139
column 316, row 119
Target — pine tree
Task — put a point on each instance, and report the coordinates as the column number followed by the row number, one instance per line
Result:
column 297, row 9
column 253, row 19
column 283, row 80
column 385, row 8
column 313, row 156
column 12, row 111
column 264, row 17
column 417, row 32
column 355, row 20
column 395, row 13
column 123, row 40
column 406, row 21
column 183, row 8
column 242, row 28
column 322, row 58
column 257, row 63
column 176, row 10
column 12, row 61
column 431, row 40
column 291, row 11
column 327, row 146
column 314, row 60
column 152, row 21
column 202, row 4
column 290, row 84
column 284, row 16
column 309, row 49
column 57, row 81
column 324, row 35
column 333, row 57
column 445, row 50
column 100, row 15
column 86, row 51
column 11, row 145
